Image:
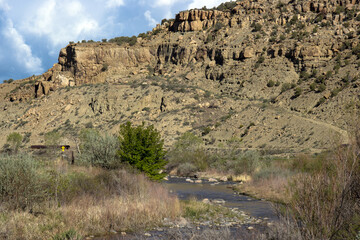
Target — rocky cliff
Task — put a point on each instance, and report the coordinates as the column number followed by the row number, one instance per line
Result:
column 272, row 74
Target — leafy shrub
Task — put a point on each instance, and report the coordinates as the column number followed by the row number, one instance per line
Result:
column 186, row 169
column 20, row 183
column 218, row 26
column 143, row 35
column 188, row 149
column 340, row 9
column 298, row 91
column 226, row 6
column 142, row 147
column 321, row 87
column 99, row 150
column 321, row 101
column 210, row 37
column 313, row 86
column 14, row 140
column 9, row 81
column 122, row 40
column 335, row 92
column 285, row 87
column 256, row 27
column 270, row 83
column 356, row 50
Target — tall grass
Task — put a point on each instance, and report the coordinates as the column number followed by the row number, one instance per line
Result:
column 79, row 201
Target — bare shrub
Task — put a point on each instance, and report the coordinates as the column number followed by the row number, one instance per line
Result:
column 327, row 202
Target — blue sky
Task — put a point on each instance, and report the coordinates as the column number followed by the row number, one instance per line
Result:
column 33, row 32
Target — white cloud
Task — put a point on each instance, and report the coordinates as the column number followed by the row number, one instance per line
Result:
column 21, row 50
column 166, row 2
column 4, row 6
column 61, row 22
column 150, row 19
column 207, row 3
column 114, row 3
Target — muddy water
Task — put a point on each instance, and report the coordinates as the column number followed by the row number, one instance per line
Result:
column 221, row 190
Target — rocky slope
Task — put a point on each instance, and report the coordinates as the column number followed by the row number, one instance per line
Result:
column 277, row 76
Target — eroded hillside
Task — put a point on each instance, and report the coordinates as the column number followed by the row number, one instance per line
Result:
column 270, row 75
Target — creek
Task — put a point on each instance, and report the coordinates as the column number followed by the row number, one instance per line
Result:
column 215, row 192
column 221, row 191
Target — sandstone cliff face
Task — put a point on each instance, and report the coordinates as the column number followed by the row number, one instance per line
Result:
column 86, row 62
column 93, row 63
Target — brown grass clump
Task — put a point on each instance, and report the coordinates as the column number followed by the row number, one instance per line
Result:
column 272, row 189
column 135, row 211
column 92, row 202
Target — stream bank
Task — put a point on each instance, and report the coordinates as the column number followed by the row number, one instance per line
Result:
column 212, row 210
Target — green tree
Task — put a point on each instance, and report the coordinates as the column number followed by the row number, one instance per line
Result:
column 14, row 140
column 143, row 148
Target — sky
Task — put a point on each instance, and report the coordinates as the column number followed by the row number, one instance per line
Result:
column 33, row 32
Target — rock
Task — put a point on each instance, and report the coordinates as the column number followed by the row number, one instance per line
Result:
column 189, row 180
column 67, row 108
column 248, row 52
column 218, row 201
column 198, row 181
column 212, row 180
column 327, row 95
column 224, row 179
column 147, row 234
column 250, row 228
column 205, row 200
column 182, row 222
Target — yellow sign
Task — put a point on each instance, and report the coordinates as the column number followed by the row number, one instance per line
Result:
column 63, row 148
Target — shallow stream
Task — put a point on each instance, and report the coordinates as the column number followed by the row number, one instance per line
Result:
column 215, row 192
column 221, row 190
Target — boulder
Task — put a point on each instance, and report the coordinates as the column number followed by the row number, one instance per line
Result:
column 248, row 52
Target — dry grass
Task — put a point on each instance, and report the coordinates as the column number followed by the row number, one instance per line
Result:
column 128, row 213
column 272, row 189
column 126, row 202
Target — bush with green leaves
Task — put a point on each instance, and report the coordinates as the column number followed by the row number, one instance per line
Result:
column 285, row 87
column 298, row 91
column 14, row 140
column 270, row 83
column 226, row 6
column 234, row 161
column 143, row 148
column 121, row 40
column 20, row 183
column 188, row 155
column 99, row 150
column 256, row 27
